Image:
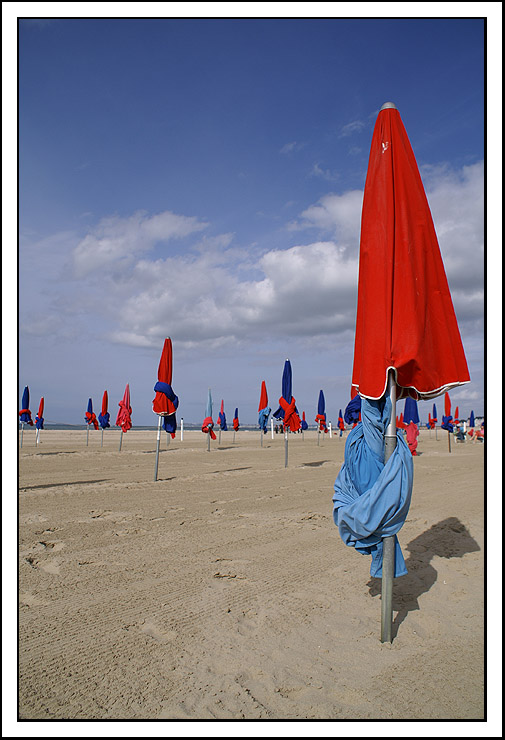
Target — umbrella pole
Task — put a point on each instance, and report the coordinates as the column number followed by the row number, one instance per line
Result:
column 120, row 440
column 208, row 441
column 286, row 448
column 329, row 427
column 87, row 435
column 101, row 443
column 318, row 433
column 388, row 543
column 37, row 435
column 449, row 439
column 157, row 448
column 272, row 427
column 182, row 429
column 233, row 437
column 219, row 440
column 261, row 437
column 436, row 435
column 22, row 432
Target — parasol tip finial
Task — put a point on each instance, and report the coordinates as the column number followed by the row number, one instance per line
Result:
column 389, row 105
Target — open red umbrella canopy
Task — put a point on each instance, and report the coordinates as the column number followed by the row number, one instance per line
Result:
column 405, row 317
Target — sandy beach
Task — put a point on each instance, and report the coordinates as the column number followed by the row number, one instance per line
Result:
column 223, row 590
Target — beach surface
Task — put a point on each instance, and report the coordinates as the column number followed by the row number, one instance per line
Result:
column 223, row 590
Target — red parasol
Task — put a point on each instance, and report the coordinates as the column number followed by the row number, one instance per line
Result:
column 124, row 414
column 405, row 317
column 161, row 403
column 407, row 339
column 263, row 397
column 447, row 404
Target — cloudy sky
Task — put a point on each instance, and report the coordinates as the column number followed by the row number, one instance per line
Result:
column 203, row 178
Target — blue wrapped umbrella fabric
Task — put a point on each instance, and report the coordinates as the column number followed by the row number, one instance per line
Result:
column 446, row 423
column 471, row 423
column 372, row 499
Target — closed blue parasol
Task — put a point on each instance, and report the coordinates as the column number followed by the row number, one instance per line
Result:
column 471, row 423
column 321, row 415
column 25, row 415
column 90, row 417
column 341, row 425
column 221, row 420
column 410, row 412
column 287, row 411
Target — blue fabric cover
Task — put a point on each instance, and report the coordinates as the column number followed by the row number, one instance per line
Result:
column 446, row 423
column 351, row 413
column 410, row 412
column 39, row 422
column 263, row 419
column 103, row 420
column 169, row 422
column 304, row 425
column 371, row 500
column 471, row 423
column 434, row 414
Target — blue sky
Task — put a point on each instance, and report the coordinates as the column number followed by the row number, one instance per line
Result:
column 202, row 179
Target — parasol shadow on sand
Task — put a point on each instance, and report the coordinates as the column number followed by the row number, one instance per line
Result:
column 446, row 539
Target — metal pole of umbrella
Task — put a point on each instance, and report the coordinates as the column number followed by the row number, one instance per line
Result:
column 87, row 435
column 318, row 434
column 286, row 448
column 261, row 437
column 233, row 437
column 219, row 440
column 388, row 543
column 182, row 429
column 168, row 439
column 157, row 449
column 101, row 443
column 37, row 435
column 449, row 439
column 272, row 427
column 436, row 435
column 22, row 432
column 120, row 440
column 329, row 427
column 208, row 442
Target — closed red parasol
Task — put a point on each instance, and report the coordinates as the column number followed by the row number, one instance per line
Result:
column 405, row 317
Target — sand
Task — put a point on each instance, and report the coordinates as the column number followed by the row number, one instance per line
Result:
column 223, row 590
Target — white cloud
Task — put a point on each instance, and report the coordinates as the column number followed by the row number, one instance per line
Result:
column 351, row 128
column 117, row 240
column 338, row 215
column 217, row 294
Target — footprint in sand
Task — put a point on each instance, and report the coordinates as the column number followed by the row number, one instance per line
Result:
column 52, row 567
column 151, row 630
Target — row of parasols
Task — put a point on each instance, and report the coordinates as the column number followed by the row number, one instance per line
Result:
column 166, row 403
